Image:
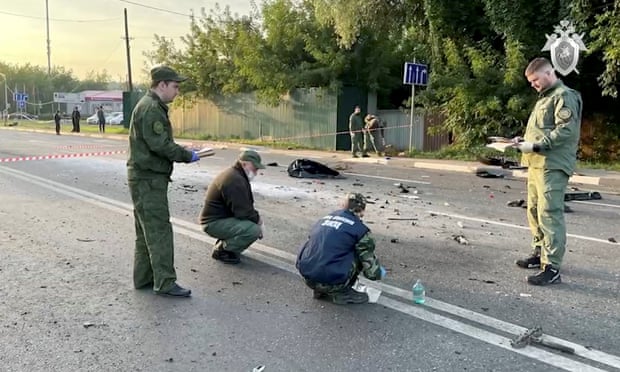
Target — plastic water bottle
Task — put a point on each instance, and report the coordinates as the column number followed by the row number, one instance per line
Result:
column 419, row 292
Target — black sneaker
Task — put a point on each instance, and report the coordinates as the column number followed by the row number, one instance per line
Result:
column 226, row 257
column 531, row 262
column 548, row 276
column 349, row 296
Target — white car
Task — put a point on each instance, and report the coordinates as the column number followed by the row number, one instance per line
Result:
column 115, row 118
column 110, row 118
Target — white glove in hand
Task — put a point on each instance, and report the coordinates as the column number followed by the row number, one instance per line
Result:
column 527, row 147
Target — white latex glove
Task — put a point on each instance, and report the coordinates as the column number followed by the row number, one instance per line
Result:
column 517, row 139
column 527, row 147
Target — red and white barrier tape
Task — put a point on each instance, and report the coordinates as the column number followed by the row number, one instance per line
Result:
column 71, row 147
column 60, row 156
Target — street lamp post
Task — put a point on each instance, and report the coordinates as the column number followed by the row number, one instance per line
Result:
column 6, row 97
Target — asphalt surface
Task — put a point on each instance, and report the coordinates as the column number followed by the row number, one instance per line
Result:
column 68, row 304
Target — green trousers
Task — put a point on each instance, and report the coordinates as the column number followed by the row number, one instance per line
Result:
column 234, row 234
column 357, row 143
column 545, row 214
column 154, row 251
column 335, row 288
column 373, row 141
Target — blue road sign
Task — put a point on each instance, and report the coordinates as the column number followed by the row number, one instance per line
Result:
column 415, row 74
column 20, row 97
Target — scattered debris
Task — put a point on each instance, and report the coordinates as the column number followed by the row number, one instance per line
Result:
column 535, row 336
column 501, row 161
column 88, row 324
column 460, row 239
column 274, row 164
column 402, row 219
column 460, row 224
column 86, row 240
column 237, row 283
column 394, row 240
column 488, row 174
column 169, row 360
column 258, row 369
column 357, row 184
column 591, row 195
column 612, row 240
column 525, row 295
column 414, row 197
column 516, row 203
column 188, row 188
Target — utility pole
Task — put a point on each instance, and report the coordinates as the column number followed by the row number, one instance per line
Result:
column 129, row 83
column 49, row 51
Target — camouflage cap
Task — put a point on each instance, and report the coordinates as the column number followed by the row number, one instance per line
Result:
column 355, row 202
column 253, row 157
column 165, row 73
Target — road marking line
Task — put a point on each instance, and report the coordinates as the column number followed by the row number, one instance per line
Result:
column 193, row 230
column 490, row 222
column 387, row 178
column 594, row 203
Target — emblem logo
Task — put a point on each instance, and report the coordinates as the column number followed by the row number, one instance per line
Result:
column 564, row 46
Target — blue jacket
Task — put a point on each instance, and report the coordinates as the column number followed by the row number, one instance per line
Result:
column 328, row 254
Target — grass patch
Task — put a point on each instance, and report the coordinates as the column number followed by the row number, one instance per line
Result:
column 66, row 127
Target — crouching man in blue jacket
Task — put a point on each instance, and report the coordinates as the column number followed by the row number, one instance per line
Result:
column 339, row 248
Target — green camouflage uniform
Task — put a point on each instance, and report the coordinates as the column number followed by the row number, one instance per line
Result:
column 372, row 139
column 553, row 127
column 152, row 151
column 356, row 126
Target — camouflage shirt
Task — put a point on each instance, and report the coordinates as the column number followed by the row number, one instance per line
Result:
column 365, row 252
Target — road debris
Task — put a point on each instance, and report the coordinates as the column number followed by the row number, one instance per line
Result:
column 460, row 239
column 535, row 336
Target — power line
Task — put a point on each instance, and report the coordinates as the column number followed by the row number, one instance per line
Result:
column 60, row 20
column 155, row 8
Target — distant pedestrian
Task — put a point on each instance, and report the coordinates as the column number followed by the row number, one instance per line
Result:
column 57, row 118
column 75, row 120
column 356, row 129
column 101, row 119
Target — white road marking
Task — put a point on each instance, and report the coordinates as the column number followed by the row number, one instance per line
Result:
column 595, row 203
column 490, row 222
column 387, row 178
column 265, row 254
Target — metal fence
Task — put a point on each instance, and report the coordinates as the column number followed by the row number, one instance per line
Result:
column 306, row 117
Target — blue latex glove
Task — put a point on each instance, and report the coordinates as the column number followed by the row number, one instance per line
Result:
column 195, row 157
column 383, row 272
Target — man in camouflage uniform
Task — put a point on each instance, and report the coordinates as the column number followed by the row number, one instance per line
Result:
column 373, row 134
column 549, row 149
column 356, row 129
column 339, row 248
column 152, row 151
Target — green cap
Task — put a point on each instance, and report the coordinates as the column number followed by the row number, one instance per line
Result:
column 165, row 73
column 355, row 202
column 253, row 157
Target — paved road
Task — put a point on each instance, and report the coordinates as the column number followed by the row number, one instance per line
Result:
column 67, row 254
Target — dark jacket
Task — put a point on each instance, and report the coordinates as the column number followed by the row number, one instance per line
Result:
column 330, row 251
column 229, row 195
column 100, row 117
column 152, row 149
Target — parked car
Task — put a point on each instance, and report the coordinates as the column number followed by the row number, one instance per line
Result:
column 110, row 118
column 22, row 116
column 116, row 118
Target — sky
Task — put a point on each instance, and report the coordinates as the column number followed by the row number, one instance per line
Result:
column 88, row 35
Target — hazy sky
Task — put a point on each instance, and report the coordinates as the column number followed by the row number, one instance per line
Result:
column 86, row 35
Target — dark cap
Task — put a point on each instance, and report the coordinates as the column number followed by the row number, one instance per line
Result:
column 355, row 202
column 253, row 157
column 165, row 73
